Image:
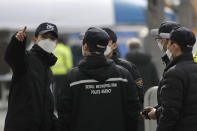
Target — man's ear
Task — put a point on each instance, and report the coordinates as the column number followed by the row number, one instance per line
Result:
column 110, row 43
column 56, row 41
column 85, row 47
column 115, row 45
column 176, row 46
column 35, row 40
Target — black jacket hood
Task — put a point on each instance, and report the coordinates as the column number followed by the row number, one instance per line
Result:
column 96, row 67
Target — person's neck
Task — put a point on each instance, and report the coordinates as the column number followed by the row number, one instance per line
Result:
column 87, row 54
column 178, row 53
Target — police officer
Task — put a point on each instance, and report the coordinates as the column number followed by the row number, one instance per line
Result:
column 112, row 53
column 30, row 104
column 98, row 95
column 177, row 100
column 165, row 27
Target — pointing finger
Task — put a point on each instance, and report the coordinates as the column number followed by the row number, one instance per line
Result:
column 24, row 29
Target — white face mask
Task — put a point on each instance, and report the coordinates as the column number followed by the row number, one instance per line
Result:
column 169, row 54
column 160, row 46
column 108, row 51
column 47, row 45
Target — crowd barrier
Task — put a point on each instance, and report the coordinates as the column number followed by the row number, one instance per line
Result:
column 150, row 99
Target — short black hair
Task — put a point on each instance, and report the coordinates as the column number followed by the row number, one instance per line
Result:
column 111, row 34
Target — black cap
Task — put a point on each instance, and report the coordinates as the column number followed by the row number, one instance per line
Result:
column 165, row 27
column 46, row 27
column 111, row 34
column 182, row 36
column 168, row 26
column 96, row 39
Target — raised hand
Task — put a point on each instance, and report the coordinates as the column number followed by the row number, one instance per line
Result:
column 20, row 36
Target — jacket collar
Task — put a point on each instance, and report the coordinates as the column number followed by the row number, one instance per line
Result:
column 183, row 57
column 97, row 67
column 94, row 62
column 165, row 59
column 47, row 58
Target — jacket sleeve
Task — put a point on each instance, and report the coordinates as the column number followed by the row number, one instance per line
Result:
column 133, row 106
column 158, row 111
column 64, row 107
column 138, row 81
column 15, row 54
column 171, row 104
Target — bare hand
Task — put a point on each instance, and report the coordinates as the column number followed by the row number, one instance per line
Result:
column 151, row 114
column 20, row 36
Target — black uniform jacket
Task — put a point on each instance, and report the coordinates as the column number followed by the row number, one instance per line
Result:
column 98, row 96
column 30, row 104
column 133, row 71
column 177, row 96
column 146, row 68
